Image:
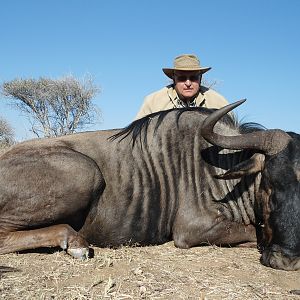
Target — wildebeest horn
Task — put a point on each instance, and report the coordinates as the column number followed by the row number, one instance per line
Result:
column 269, row 142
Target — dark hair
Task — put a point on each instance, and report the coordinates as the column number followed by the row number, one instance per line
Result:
column 136, row 127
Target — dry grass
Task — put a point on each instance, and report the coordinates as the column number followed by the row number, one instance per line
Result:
column 3, row 148
column 156, row 272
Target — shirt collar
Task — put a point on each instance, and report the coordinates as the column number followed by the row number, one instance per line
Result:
column 198, row 101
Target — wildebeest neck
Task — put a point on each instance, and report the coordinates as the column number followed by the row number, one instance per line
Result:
column 193, row 167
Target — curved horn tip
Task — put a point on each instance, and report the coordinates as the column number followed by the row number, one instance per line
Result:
column 236, row 103
column 209, row 123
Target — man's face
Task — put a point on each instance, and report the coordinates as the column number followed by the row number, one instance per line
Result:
column 187, row 84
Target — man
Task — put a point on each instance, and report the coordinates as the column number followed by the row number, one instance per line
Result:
column 185, row 91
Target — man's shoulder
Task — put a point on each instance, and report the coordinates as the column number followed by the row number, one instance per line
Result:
column 213, row 97
column 156, row 101
column 159, row 94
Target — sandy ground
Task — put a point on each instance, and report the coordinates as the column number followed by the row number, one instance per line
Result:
column 155, row 272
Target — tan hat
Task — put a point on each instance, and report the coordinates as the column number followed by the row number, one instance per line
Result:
column 185, row 62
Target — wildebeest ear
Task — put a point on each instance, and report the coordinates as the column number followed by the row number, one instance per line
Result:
column 251, row 166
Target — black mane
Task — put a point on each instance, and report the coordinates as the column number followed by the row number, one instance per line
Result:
column 135, row 128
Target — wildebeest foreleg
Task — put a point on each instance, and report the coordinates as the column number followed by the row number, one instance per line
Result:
column 61, row 235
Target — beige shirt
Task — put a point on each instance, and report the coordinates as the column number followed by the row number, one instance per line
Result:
column 167, row 98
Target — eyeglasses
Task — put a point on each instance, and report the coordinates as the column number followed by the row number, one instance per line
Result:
column 184, row 78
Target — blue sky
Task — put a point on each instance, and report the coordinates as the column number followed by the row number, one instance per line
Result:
column 253, row 48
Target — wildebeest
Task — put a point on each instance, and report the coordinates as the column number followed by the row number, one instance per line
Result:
column 154, row 181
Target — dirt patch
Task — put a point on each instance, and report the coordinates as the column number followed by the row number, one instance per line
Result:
column 155, row 272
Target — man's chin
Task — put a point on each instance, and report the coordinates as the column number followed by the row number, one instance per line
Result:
column 188, row 97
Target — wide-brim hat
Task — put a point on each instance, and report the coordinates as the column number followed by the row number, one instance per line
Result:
column 185, row 62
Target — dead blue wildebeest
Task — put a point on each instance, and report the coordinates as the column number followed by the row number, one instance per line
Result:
column 154, row 181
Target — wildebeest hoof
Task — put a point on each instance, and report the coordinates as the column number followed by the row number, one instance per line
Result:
column 64, row 245
column 80, row 253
